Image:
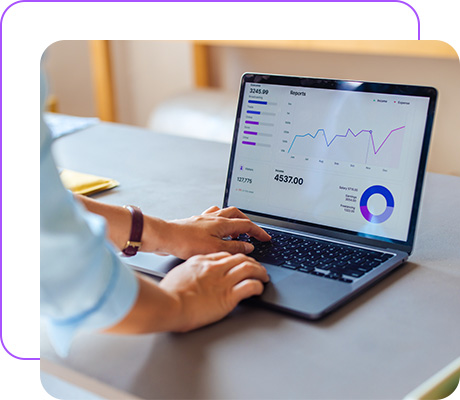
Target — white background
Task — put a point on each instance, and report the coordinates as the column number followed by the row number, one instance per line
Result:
column 28, row 28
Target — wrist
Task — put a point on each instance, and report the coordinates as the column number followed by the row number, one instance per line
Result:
column 156, row 310
column 162, row 308
column 176, row 311
column 154, row 239
column 175, row 239
column 167, row 309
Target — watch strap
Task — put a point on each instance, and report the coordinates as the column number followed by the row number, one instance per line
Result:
column 137, row 225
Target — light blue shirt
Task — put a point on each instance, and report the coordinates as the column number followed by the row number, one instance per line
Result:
column 84, row 286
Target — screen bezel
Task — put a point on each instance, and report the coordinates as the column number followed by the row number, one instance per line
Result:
column 335, row 84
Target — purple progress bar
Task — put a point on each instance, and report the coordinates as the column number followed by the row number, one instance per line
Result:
column 249, row 143
column 251, row 122
column 250, row 132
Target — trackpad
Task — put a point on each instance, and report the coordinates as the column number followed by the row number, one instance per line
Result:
column 277, row 273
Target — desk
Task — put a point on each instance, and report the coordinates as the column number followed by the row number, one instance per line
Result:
column 380, row 346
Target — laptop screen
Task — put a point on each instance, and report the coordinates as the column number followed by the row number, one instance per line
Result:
column 339, row 154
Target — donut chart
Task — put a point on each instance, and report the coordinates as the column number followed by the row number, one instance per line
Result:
column 370, row 191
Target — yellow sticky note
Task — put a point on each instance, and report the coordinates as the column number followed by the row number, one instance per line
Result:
column 86, row 184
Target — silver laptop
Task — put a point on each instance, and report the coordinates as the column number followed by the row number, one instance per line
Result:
column 333, row 170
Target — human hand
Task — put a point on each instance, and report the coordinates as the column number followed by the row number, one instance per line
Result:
column 205, row 233
column 207, row 288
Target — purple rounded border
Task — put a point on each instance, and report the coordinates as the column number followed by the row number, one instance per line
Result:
column 124, row 1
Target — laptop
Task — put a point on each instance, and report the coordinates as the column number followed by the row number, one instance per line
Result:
column 333, row 170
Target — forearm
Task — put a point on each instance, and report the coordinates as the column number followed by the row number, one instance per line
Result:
column 119, row 225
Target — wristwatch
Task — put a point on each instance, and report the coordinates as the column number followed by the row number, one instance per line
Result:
column 137, row 224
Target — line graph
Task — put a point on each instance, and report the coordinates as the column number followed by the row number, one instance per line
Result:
column 362, row 151
column 346, row 134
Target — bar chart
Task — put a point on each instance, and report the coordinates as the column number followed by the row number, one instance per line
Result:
column 258, row 123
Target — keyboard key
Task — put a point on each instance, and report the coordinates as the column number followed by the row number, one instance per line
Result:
column 354, row 274
column 288, row 266
column 340, row 263
column 352, row 266
column 309, row 264
column 325, row 267
column 373, row 264
column 317, row 273
column 364, row 268
column 293, row 263
column 271, row 260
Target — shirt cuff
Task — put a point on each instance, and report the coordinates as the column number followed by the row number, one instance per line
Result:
column 112, row 307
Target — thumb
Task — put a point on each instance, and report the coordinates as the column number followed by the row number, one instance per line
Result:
column 234, row 247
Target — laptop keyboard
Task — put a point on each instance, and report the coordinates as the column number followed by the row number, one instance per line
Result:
column 317, row 257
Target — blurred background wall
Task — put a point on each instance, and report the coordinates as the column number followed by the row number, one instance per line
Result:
column 146, row 74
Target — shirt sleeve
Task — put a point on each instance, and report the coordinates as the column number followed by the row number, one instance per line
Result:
column 83, row 283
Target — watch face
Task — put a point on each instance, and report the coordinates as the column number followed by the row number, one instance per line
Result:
column 130, row 251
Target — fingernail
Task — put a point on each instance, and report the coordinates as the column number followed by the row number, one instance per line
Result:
column 248, row 248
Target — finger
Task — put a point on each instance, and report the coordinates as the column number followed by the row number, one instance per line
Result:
column 235, row 247
column 231, row 261
column 247, row 270
column 235, row 227
column 211, row 210
column 232, row 212
column 247, row 288
column 217, row 256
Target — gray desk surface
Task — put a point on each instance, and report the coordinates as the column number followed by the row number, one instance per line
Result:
column 381, row 345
